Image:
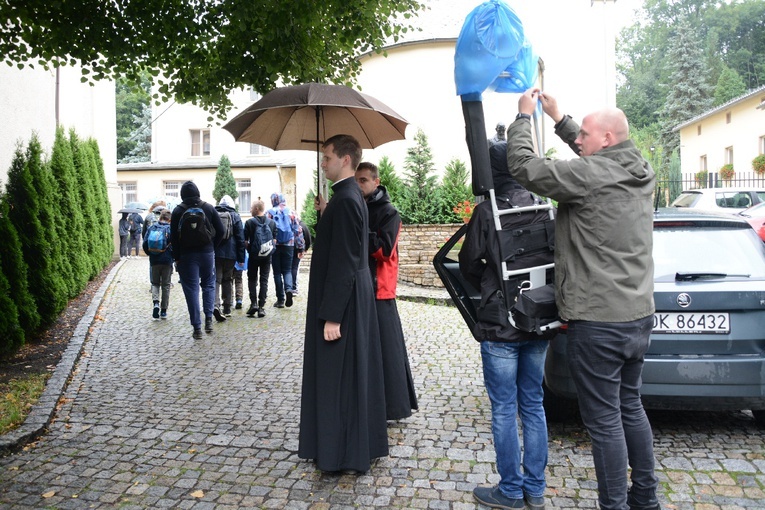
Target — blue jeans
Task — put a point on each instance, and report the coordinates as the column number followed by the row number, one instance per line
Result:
column 512, row 373
column 196, row 270
column 606, row 362
column 281, row 260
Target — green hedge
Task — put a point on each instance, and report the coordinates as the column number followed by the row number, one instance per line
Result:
column 55, row 224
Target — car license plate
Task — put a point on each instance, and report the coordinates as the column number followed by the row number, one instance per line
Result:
column 673, row 322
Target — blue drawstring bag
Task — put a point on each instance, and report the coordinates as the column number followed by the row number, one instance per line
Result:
column 489, row 51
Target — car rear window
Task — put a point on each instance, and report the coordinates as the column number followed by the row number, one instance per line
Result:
column 707, row 250
column 733, row 199
column 686, row 200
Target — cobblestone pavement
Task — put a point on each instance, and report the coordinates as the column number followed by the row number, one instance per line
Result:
column 153, row 419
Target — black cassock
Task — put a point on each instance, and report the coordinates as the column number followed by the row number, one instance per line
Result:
column 342, row 409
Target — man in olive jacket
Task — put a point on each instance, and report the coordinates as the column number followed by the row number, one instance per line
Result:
column 604, row 283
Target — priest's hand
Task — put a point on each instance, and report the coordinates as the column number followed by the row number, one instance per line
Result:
column 331, row 331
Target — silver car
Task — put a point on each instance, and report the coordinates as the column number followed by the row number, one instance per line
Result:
column 707, row 349
column 708, row 345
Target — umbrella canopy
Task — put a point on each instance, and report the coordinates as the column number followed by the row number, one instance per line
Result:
column 301, row 117
column 129, row 210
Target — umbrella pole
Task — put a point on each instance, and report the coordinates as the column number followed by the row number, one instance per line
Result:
column 319, row 186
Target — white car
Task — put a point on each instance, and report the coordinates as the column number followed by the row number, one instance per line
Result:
column 727, row 200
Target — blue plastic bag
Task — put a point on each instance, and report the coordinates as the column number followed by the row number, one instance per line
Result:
column 491, row 42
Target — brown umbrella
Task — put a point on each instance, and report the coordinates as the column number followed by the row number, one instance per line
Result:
column 301, row 117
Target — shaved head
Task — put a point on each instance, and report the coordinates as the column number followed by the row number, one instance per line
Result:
column 602, row 129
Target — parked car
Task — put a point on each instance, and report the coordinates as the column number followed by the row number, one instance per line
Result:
column 728, row 200
column 755, row 215
column 708, row 345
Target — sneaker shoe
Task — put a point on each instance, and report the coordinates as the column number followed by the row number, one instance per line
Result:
column 634, row 503
column 238, row 305
column 491, row 497
column 534, row 502
column 279, row 304
column 208, row 324
column 252, row 310
column 197, row 334
column 288, row 302
column 218, row 316
column 294, row 292
column 227, row 310
column 155, row 312
column 163, row 314
column 261, row 312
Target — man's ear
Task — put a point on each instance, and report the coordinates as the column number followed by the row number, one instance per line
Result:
column 608, row 139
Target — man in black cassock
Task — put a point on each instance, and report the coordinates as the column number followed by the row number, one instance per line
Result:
column 342, row 409
column 384, row 231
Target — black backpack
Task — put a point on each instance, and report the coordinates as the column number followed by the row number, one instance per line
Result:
column 263, row 242
column 194, row 227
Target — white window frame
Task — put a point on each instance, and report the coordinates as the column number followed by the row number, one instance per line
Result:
column 729, row 155
column 129, row 192
column 200, row 142
column 703, row 163
column 244, row 188
column 762, row 145
column 172, row 188
column 259, row 150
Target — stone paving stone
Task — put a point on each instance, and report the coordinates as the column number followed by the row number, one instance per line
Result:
column 151, row 416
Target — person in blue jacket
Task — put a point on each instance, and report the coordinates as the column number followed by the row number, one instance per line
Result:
column 227, row 254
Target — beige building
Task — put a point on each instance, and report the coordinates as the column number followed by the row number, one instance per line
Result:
column 731, row 133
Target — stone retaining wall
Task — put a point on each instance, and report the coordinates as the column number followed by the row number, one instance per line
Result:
column 417, row 246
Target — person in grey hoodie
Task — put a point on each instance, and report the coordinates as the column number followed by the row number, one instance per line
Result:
column 604, row 283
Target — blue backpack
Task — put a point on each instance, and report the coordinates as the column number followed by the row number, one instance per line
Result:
column 284, row 227
column 158, row 237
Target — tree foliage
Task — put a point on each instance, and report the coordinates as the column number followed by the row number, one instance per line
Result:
column 454, row 189
column 55, row 222
column 690, row 94
column 201, row 50
column 418, row 201
column 729, row 86
column 728, row 34
column 133, row 102
column 225, row 184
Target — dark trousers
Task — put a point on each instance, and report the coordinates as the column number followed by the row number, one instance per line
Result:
column 198, row 270
column 281, row 260
column 125, row 245
column 258, row 270
column 135, row 242
column 606, row 362
column 295, row 267
column 224, row 281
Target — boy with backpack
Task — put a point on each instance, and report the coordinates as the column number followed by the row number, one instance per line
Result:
column 195, row 231
column 156, row 244
column 259, row 238
column 289, row 236
column 227, row 254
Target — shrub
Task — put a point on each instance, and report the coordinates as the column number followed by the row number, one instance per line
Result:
column 758, row 164
column 727, row 172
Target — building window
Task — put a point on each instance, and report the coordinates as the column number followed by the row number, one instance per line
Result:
column 254, row 95
column 173, row 189
column 762, row 145
column 259, row 150
column 729, row 155
column 727, row 118
column 244, row 188
column 698, row 130
column 703, row 163
column 129, row 192
column 200, row 142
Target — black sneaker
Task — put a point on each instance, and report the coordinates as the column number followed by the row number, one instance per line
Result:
column 261, row 312
column 227, row 310
column 634, row 502
column 218, row 317
column 163, row 314
column 238, row 305
column 279, row 304
column 155, row 313
column 491, row 497
column 252, row 310
column 208, row 324
column 534, row 502
column 197, row 334
column 288, row 303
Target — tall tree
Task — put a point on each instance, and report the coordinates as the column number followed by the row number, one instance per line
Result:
column 454, row 189
column 690, row 94
column 419, row 201
column 389, row 179
column 133, row 122
column 199, row 51
column 225, row 184
column 729, row 86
